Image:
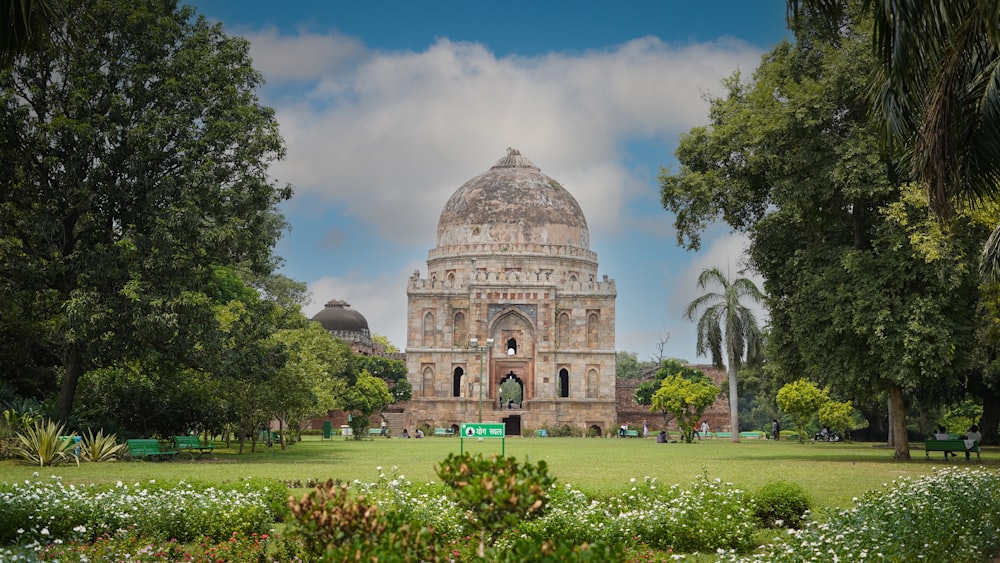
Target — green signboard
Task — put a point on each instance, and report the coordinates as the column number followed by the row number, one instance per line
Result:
column 480, row 431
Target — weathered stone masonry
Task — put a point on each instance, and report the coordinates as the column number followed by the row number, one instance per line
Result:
column 512, row 264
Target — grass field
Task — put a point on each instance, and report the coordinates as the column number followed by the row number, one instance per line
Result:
column 832, row 473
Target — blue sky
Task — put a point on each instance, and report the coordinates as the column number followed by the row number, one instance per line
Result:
column 387, row 107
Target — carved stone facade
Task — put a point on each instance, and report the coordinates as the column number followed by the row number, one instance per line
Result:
column 512, row 269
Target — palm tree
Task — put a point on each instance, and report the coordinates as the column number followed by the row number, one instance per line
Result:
column 727, row 322
column 26, row 25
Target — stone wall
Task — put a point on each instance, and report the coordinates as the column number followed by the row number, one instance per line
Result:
column 633, row 414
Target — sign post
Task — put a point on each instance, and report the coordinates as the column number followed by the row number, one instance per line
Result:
column 482, row 431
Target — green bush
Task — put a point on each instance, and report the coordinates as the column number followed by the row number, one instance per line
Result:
column 328, row 524
column 496, row 493
column 565, row 431
column 705, row 516
column 555, row 550
column 780, row 504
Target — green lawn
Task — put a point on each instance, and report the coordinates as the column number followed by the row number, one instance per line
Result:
column 831, row 473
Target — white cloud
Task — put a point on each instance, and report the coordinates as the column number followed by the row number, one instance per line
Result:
column 387, row 137
column 304, row 56
column 393, row 135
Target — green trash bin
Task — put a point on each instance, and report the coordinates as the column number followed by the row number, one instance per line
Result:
column 327, row 430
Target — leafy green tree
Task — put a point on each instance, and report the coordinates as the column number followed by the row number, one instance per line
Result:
column 793, row 158
column 137, row 160
column 935, row 93
column 365, row 396
column 727, row 329
column 627, row 366
column 686, row 400
column 801, row 400
column 390, row 370
column 314, row 377
column 138, row 399
column 644, row 391
column 383, row 341
column 839, row 416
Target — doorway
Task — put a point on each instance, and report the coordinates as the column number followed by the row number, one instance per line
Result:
column 512, row 424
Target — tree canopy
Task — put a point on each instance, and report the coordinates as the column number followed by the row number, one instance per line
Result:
column 792, row 158
column 685, row 399
column 136, row 164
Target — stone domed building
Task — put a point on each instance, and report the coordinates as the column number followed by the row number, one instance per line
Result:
column 512, row 323
column 345, row 323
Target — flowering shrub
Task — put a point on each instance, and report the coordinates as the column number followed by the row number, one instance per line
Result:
column 37, row 511
column 953, row 515
column 428, row 502
column 128, row 547
column 705, row 516
column 331, row 525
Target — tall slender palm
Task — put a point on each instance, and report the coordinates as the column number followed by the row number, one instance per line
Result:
column 727, row 323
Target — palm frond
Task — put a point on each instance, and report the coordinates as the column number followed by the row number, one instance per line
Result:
column 989, row 260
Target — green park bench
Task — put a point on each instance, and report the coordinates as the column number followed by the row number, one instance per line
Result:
column 752, row 435
column 444, row 432
column 377, row 432
column 723, row 434
column 190, row 444
column 148, row 448
column 631, row 433
column 947, row 446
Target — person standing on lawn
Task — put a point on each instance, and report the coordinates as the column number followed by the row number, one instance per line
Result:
column 775, row 429
column 972, row 437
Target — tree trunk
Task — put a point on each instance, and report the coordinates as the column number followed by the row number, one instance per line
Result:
column 734, row 402
column 281, row 432
column 897, row 423
column 74, row 369
column 891, row 436
column 991, row 418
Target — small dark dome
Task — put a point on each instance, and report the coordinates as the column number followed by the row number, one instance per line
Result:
column 338, row 317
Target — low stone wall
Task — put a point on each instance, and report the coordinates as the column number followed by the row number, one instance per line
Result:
column 631, row 413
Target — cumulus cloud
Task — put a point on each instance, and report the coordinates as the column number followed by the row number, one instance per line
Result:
column 302, row 57
column 385, row 138
column 393, row 134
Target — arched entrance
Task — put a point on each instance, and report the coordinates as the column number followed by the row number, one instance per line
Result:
column 511, row 392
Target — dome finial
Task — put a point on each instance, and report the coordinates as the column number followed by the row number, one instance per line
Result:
column 514, row 160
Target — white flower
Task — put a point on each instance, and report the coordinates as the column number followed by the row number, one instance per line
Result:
column 45, row 531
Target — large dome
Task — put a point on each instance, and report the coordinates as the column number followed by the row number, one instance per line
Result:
column 512, row 202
